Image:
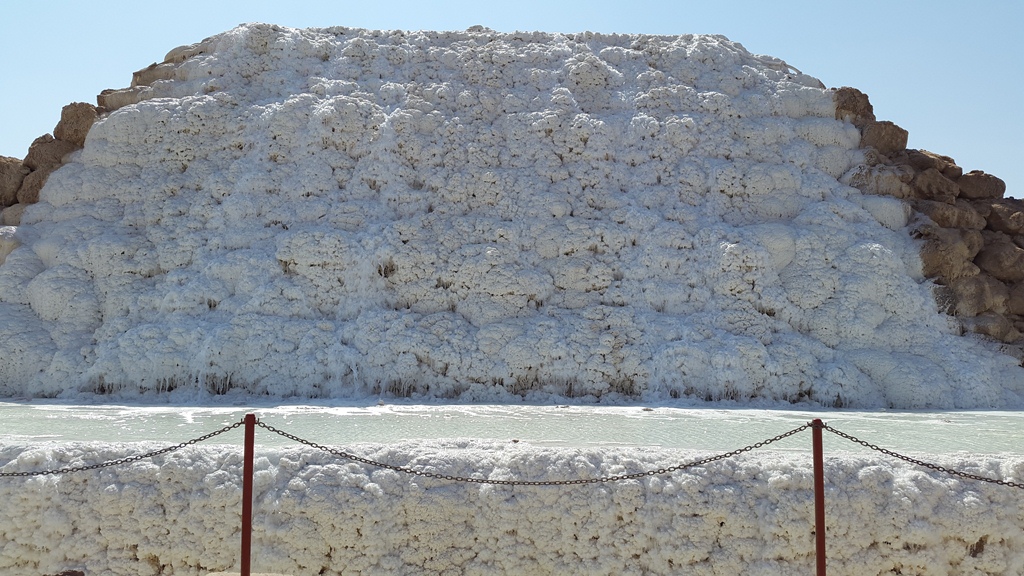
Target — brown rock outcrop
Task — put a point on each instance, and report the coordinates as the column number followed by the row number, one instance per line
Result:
column 45, row 155
column 978, row 294
column 33, row 183
column 75, row 121
column 11, row 174
column 932, row 185
column 1002, row 258
column 979, row 185
column 884, row 136
column 853, row 106
column 949, row 253
column 973, row 238
column 11, row 216
column 1007, row 216
column 47, row 151
column 960, row 214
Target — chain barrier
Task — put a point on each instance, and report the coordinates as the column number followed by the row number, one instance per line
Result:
column 602, row 479
column 127, row 460
column 438, row 476
column 922, row 463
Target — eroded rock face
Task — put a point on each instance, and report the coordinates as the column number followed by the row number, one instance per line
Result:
column 979, row 185
column 22, row 181
column 11, row 174
column 11, row 216
column 32, row 184
column 884, row 136
column 47, row 151
column 973, row 238
column 75, row 121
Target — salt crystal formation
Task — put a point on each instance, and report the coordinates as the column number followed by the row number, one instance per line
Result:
column 179, row 514
column 480, row 216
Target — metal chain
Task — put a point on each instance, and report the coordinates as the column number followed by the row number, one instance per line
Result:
column 127, row 460
column 618, row 478
column 929, row 465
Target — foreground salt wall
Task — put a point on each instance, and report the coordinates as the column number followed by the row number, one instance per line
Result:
column 179, row 514
column 479, row 216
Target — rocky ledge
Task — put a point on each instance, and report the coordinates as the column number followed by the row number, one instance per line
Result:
column 973, row 237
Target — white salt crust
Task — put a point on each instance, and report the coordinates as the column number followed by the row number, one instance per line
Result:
column 753, row 515
column 481, row 216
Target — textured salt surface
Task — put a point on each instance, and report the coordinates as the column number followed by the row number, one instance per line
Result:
column 179, row 514
column 484, row 216
column 338, row 212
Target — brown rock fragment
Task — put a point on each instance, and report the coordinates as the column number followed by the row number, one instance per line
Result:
column 46, row 151
column 1001, row 258
column 959, row 215
column 932, row 185
column 1015, row 300
column 1007, row 216
column 11, row 174
column 992, row 325
column 922, row 159
column 977, row 294
column 75, row 121
column 33, row 183
column 948, row 253
column 853, row 106
column 884, row 136
column 11, row 216
column 977, row 184
column 881, row 180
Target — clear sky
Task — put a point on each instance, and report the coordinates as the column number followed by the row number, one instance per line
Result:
column 952, row 73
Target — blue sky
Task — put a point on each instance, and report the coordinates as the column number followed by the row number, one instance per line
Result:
column 952, row 73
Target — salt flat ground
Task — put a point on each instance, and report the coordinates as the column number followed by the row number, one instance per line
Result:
column 714, row 429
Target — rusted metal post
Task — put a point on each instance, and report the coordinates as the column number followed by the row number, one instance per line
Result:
column 250, row 437
column 819, row 496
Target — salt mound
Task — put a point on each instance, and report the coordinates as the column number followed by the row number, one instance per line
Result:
column 481, row 216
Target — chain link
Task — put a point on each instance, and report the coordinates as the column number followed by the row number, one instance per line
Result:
column 928, row 465
column 618, row 478
column 127, row 460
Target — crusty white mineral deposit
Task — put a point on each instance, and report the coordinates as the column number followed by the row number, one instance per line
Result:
column 475, row 215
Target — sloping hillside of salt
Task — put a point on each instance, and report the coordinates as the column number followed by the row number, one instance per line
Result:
column 476, row 215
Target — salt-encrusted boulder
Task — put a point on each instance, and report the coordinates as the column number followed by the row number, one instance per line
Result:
column 75, row 121
column 977, row 294
column 11, row 216
column 182, row 53
column 1001, row 258
column 932, row 185
column 881, row 180
column 884, row 136
column 152, row 73
column 47, row 151
column 948, row 252
column 112, row 99
column 959, row 215
column 853, row 106
column 977, row 184
column 7, row 242
column 12, row 172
